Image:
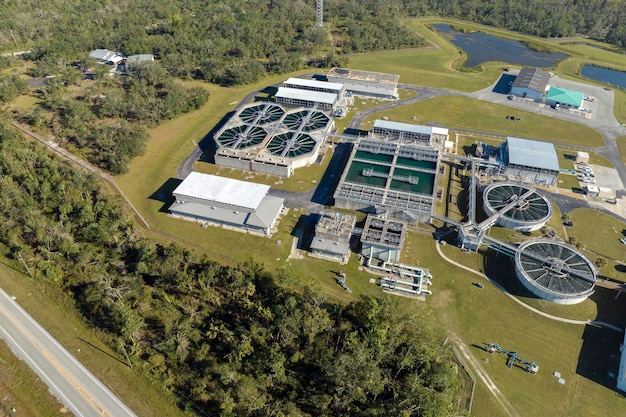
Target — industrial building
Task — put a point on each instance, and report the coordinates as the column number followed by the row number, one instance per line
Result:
column 382, row 239
column 295, row 97
column 332, row 236
column 564, row 98
column 226, row 202
column 315, row 85
column 366, row 83
column 266, row 138
column 554, row 271
column 384, row 176
column 517, row 207
column 530, row 161
column 434, row 137
column 530, row 83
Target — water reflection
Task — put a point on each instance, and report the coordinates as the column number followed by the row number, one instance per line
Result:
column 481, row 47
column 605, row 75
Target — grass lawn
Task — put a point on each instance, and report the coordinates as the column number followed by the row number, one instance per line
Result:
column 487, row 316
column 478, row 115
column 22, row 390
column 601, row 238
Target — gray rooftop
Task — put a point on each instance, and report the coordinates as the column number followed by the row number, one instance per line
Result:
column 369, row 76
column 532, row 78
column 407, row 127
column 532, row 153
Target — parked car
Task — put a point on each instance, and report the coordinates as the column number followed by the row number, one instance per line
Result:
column 623, row 240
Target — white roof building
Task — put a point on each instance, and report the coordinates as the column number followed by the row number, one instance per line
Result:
column 104, row 56
column 228, row 202
column 314, row 85
column 306, row 98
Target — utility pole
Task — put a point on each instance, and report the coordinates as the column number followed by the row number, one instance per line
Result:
column 319, row 13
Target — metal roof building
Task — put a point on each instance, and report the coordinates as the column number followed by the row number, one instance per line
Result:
column 530, row 161
column 564, row 97
column 306, row 98
column 410, row 133
column 531, row 83
column 314, row 85
column 223, row 201
column 366, row 83
column 532, row 154
column 104, row 56
column 332, row 236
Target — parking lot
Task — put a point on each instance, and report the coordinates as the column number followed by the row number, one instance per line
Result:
column 600, row 108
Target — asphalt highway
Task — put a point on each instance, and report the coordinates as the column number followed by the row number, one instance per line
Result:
column 66, row 378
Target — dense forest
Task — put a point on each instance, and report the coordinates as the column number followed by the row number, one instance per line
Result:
column 233, row 42
column 227, row 341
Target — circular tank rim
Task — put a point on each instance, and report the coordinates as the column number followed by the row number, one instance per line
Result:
column 491, row 211
column 519, row 271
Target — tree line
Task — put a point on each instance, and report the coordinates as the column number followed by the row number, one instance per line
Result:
column 227, row 340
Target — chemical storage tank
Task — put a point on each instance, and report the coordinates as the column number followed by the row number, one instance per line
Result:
column 555, row 271
column 520, row 207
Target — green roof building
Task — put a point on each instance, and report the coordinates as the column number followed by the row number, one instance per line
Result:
column 564, row 97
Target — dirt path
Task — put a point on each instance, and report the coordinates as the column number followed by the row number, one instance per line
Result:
column 484, row 377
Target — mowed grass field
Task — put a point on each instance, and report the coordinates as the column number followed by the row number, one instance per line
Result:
column 482, row 116
column 489, row 316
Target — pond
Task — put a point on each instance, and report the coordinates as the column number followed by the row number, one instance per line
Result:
column 481, row 47
column 605, row 75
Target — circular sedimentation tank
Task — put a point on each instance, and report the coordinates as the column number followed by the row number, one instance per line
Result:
column 527, row 211
column 555, row 271
column 308, row 120
column 291, row 145
column 262, row 114
column 241, row 137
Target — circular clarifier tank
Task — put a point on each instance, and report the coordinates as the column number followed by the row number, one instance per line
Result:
column 555, row 271
column 520, row 207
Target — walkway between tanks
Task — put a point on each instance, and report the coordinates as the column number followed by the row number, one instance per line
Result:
column 534, row 310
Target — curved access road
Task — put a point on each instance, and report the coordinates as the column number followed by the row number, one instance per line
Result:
column 66, row 378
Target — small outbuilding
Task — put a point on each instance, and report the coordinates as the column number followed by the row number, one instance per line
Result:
column 582, row 157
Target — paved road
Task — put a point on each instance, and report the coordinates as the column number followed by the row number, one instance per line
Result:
column 66, row 378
